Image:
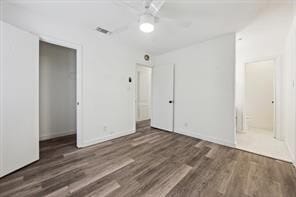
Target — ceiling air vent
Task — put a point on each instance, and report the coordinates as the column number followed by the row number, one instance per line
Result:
column 104, row 31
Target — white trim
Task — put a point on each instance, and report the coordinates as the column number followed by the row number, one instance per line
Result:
column 235, row 114
column 79, row 91
column 144, row 65
column 278, row 134
column 106, row 138
column 1, row 93
column 174, row 97
column 207, row 138
column 59, row 134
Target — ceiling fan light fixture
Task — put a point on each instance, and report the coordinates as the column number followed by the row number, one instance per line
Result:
column 147, row 23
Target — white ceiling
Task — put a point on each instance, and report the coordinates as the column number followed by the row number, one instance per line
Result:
column 208, row 18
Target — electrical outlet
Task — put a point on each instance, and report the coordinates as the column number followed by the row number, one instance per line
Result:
column 105, row 128
column 186, row 124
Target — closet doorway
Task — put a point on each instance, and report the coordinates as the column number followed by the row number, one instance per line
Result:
column 58, row 102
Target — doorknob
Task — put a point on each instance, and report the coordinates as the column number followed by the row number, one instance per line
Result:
column 272, row 102
column 170, row 101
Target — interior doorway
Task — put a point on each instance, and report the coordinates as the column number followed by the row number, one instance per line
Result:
column 259, row 111
column 143, row 95
column 57, row 93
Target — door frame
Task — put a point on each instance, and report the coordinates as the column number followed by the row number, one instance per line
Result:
column 78, row 48
column 136, row 90
column 276, row 94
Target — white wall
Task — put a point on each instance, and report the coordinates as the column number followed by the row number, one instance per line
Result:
column 108, row 107
column 204, row 89
column 288, row 92
column 57, row 90
column 263, row 39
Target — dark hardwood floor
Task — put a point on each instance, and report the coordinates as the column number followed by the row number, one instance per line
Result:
column 150, row 163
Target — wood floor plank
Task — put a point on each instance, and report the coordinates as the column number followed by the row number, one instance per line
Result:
column 169, row 182
column 105, row 190
column 226, row 177
column 152, row 163
column 94, row 177
column 62, row 192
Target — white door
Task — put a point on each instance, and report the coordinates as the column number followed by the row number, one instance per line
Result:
column 19, row 99
column 163, row 97
column 143, row 92
column 259, row 95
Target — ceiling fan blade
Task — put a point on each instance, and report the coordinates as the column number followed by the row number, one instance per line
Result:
column 156, row 5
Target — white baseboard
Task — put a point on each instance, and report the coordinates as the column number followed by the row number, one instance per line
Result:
column 106, row 138
column 207, row 138
column 55, row 135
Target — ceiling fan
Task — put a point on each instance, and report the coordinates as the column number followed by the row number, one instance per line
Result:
column 148, row 14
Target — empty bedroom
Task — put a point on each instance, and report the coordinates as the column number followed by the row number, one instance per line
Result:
column 154, row 98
